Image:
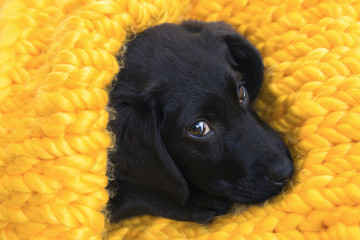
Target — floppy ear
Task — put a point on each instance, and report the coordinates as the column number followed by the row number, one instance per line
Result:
column 140, row 156
column 248, row 62
column 247, row 59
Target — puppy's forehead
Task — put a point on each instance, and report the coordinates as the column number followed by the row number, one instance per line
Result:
column 192, row 69
column 178, row 56
column 177, row 48
column 173, row 37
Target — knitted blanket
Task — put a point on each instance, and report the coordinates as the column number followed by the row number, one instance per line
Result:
column 58, row 57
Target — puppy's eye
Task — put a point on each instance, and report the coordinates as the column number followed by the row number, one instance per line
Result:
column 199, row 129
column 241, row 92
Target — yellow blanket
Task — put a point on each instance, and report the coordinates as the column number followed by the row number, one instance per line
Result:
column 58, row 56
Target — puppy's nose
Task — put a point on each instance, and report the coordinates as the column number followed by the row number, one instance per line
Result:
column 281, row 174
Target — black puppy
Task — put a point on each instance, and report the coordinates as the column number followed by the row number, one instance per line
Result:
column 188, row 142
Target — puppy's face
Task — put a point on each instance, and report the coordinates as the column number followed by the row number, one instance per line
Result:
column 190, row 88
column 212, row 133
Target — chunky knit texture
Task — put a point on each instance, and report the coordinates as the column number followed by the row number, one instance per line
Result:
column 58, row 57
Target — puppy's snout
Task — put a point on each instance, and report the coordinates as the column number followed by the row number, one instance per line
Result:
column 281, row 174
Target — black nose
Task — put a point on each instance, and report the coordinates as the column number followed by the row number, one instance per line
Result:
column 279, row 175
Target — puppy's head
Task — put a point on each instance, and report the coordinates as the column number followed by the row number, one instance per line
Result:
column 184, row 115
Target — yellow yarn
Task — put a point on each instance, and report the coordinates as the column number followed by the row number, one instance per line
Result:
column 57, row 57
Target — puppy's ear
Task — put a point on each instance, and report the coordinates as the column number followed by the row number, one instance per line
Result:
column 248, row 62
column 140, row 155
column 246, row 59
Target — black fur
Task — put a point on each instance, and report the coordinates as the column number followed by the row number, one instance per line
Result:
column 175, row 76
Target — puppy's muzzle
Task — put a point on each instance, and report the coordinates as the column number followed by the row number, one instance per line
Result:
column 281, row 173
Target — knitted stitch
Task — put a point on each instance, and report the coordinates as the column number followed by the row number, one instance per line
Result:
column 58, row 57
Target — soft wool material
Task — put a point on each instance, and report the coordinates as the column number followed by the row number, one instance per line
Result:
column 58, row 57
